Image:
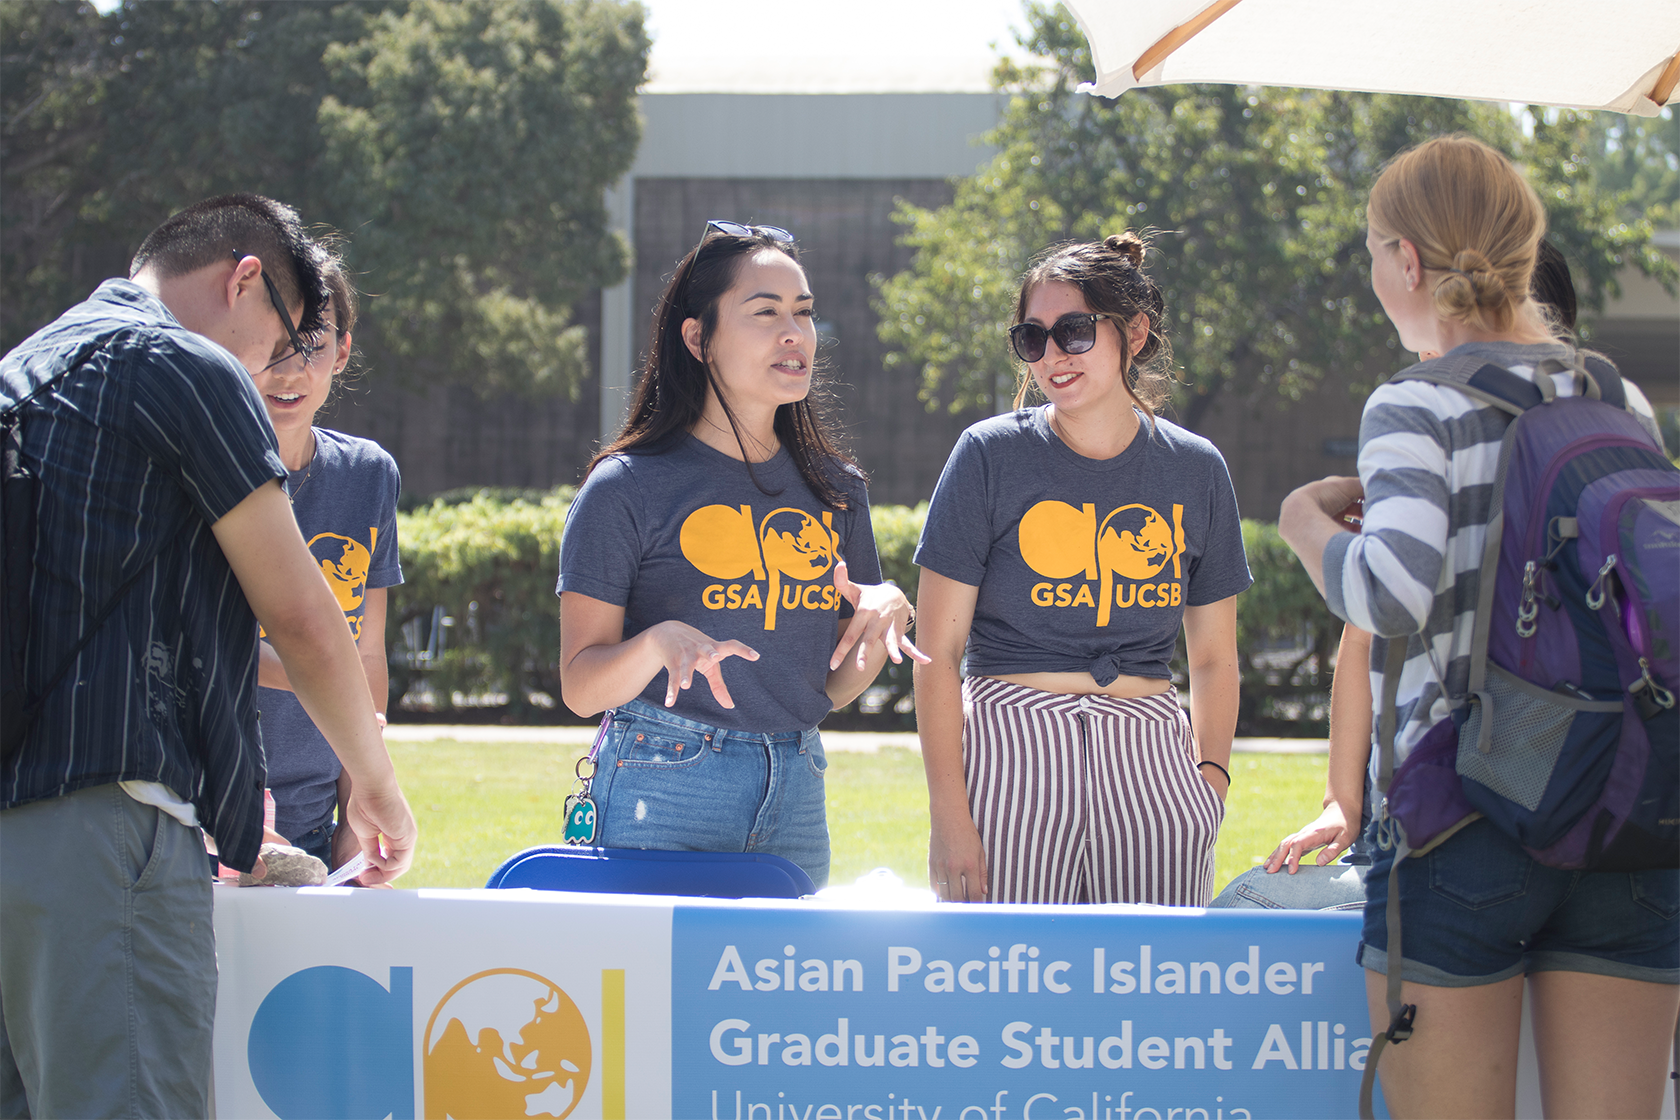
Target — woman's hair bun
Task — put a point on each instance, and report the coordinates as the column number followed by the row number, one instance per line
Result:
column 1128, row 245
column 1471, row 283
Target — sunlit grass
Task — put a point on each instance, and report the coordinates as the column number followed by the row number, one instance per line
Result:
column 478, row 803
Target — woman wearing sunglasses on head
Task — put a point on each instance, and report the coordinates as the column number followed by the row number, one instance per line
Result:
column 723, row 536
column 1065, row 548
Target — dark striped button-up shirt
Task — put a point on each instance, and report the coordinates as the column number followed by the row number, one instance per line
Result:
column 155, row 436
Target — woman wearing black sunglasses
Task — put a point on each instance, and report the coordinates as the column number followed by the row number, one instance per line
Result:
column 722, row 534
column 1065, row 548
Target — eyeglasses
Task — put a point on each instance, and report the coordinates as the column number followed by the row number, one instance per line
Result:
column 300, row 348
column 736, row 229
column 1075, row 333
column 318, row 347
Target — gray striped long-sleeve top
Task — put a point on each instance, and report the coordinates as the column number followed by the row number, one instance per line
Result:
column 1427, row 459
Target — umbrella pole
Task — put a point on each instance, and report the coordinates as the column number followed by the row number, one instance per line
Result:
column 1666, row 81
column 1188, row 30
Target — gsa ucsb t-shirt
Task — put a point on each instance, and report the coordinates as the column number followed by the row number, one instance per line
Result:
column 685, row 534
column 1082, row 564
column 345, row 502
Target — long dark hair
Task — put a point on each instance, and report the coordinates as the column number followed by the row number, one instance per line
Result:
column 671, row 392
column 1110, row 275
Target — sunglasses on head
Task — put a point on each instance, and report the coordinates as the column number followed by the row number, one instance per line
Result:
column 300, row 348
column 736, row 229
column 1075, row 333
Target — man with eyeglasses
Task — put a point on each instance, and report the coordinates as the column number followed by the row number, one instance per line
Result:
column 139, row 450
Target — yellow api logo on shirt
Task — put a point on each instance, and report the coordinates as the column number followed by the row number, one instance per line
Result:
column 1112, row 559
column 725, row 543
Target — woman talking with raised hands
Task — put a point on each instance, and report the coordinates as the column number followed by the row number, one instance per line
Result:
column 723, row 535
column 1065, row 548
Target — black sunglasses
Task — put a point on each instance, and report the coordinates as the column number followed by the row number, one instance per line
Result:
column 300, row 348
column 736, row 229
column 1075, row 333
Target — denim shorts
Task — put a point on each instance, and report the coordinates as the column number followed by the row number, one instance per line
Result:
column 675, row 784
column 1478, row 910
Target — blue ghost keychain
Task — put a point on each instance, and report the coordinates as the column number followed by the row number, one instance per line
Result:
column 580, row 814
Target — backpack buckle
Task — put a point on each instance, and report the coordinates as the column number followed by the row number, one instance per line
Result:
column 1595, row 593
column 1649, row 697
column 1388, row 829
column 1527, row 609
column 1400, row 1027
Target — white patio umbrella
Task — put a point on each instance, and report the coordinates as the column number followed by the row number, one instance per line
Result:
column 1586, row 54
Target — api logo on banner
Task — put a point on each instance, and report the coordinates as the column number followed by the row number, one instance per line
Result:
column 334, row 1044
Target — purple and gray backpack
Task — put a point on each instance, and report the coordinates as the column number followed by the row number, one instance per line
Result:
column 1569, row 738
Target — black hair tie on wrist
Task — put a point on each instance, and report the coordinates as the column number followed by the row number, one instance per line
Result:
column 1217, row 767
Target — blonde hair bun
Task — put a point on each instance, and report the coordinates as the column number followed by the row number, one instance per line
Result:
column 1471, row 285
column 1475, row 221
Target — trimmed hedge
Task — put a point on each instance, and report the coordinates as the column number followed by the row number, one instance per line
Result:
column 489, row 559
column 1286, row 640
column 490, row 562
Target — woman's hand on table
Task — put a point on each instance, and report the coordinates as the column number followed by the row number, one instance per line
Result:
column 259, row 870
column 686, row 651
column 880, row 612
column 1330, row 832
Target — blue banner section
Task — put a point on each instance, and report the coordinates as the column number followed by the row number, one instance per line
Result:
column 1011, row 1013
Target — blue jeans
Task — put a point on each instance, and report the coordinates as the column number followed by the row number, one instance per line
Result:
column 318, row 842
column 1336, row 886
column 675, row 784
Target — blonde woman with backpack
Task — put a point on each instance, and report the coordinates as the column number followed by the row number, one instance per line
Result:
column 1453, row 231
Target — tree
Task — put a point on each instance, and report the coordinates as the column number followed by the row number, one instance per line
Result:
column 464, row 147
column 1257, row 197
column 52, row 79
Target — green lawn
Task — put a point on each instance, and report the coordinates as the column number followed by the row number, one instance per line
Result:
column 479, row 803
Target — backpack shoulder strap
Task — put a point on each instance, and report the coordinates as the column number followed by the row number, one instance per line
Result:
column 16, row 726
column 9, row 415
column 1400, row 1015
column 1609, row 381
column 1486, row 381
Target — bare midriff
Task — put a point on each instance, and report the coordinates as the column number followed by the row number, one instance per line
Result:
column 1083, row 684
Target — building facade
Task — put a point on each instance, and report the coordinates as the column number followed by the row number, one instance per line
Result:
column 832, row 167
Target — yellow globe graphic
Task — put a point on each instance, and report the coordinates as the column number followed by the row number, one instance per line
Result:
column 1135, row 542
column 505, row 1043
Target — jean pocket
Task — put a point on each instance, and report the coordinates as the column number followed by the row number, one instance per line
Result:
column 1657, row 891
column 1481, row 869
column 815, row 756
column 661, row 746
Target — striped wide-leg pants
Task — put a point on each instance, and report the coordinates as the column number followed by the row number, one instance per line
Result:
column 1087, row 798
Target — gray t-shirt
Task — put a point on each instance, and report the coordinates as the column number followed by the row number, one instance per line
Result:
column 684, row 534
column 345, row 502
column 1082, row 564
